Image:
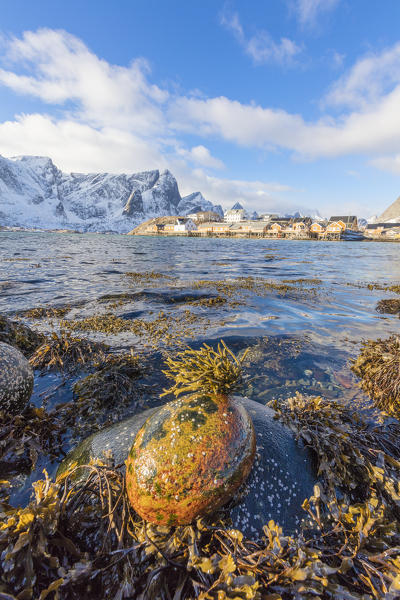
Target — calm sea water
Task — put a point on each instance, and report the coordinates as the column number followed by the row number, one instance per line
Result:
column 300, row 341
column 52, row 269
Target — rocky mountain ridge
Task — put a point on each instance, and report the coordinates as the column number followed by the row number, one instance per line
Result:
column 34, row 193
column 391, row 214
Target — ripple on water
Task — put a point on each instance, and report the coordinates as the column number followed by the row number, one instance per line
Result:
column 332, row 321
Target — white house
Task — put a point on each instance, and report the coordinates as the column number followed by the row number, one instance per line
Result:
column 236, row 214
column 268, row 216
column 184, row 224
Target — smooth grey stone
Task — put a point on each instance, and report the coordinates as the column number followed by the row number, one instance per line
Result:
column 282, row 476
column 116, row 439
column 16, row 379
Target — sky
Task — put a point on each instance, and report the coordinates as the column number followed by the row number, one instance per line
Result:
column 281, row 105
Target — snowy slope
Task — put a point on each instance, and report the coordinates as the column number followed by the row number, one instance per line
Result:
column 195, row 203
column 391, row 214
column 35, row 193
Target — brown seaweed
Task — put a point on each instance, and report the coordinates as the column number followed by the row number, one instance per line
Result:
column 83, row 539
column 114, row 383
column 205, row 370
column 162, row 329
column 25, row 437
column 63, row 352
column 378, row 366
column 390, row 306
column 19, row 335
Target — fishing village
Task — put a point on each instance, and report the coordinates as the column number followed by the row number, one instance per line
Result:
column 236, row 223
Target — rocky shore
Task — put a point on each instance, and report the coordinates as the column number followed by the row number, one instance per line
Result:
column 326, row 471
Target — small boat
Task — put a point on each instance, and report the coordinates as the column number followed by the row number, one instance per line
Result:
column 352, row 235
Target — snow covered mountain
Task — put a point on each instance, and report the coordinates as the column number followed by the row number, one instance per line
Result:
column 35, row 193
column 391, row 214
column 195, row 203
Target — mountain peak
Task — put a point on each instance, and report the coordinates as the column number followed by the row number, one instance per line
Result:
column 35, row 193
column 392, row 213
column 32, row 160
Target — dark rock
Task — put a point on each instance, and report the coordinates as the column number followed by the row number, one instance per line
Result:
column 16, row 379
column 134, row 204
column 282, row 476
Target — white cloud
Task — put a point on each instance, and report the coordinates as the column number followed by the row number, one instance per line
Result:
column 260, row 47
column 58, row 68
column 368, row 80
column 81, row 148
column 254, row 195
column 75, row 146
column 375, row 129
column 387, row 163
column 200, row 155
column 112, row 118
column 309, row 10
column 118, row 105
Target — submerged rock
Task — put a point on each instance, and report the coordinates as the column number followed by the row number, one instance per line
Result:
column 282, row 476
column 16, row 379
column 189, row 458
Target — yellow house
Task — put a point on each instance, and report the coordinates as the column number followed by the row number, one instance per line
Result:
column 155, row 228
column 277, row 227
column 317, row 228
column 335, row 227
column 205, row 227
column 339, row 224
column 213, row 227
column 221, row 227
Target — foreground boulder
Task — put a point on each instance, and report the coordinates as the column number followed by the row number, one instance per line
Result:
column 282, row 475
column 16, row 380
column 189, row 458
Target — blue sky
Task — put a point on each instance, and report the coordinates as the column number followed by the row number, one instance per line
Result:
column 281, row 104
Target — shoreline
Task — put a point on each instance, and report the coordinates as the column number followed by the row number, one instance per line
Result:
column 190, row 234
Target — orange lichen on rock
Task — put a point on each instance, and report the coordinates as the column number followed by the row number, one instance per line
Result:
column 189, row 458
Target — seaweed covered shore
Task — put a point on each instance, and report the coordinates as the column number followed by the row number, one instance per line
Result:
column 76, row 540
column 79, row 537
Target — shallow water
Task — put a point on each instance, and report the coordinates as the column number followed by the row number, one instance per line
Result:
column 301, row 340
column 45, row 268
